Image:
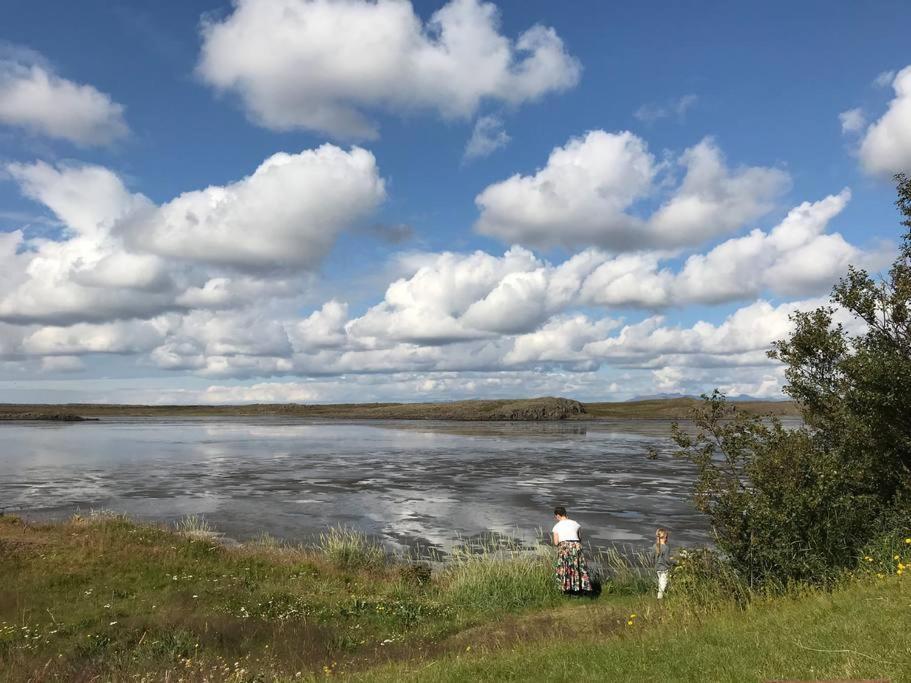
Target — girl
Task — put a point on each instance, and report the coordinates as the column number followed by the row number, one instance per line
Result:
column 662, row 560
column 570, row 568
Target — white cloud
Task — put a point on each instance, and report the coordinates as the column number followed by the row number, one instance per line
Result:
column 649, row 113
column 585, row 195
column 886, row 146
column 83, row 338
column 36, row 99
column 322, row 329
column 428, row 306
column 88, row 200
column 884, row 78
column 123, row 257
column 487, row 137
column 852, row 120
column 88, row 275
column 287, row 213
column 561, row 340
column 743, row 337
column 263, row 392
column 326, row 64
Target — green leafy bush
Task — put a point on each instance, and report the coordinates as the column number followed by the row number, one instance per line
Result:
column 799, row 504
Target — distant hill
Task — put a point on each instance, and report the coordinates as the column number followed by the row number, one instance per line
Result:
column 534, row 409
column 679, row 408
column 736, row 398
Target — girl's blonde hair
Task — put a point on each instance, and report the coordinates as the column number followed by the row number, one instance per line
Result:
column 660, row 533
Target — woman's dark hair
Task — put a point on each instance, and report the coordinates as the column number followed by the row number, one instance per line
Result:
column 560, row 511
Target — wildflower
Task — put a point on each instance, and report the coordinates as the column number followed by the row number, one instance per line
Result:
column 908, row 541
column 895, row 557
column 868, row 558
column 629, row 622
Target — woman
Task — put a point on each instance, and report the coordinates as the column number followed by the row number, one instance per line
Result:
column 570, row 568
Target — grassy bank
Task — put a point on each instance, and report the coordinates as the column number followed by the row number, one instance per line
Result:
column 534, row 409
column 103, row 598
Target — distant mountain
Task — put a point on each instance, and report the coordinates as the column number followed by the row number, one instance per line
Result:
column 734, row 399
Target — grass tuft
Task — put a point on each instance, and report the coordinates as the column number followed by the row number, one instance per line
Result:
column 350, row 549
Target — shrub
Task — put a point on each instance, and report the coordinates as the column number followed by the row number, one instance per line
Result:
column 781, row 507
column 799, row 504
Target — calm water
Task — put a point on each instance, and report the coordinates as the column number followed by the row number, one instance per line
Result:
column 409, row 483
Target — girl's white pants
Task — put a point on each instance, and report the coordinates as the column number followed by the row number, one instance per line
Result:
column 662, row 584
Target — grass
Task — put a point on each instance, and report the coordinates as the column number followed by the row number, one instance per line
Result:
column 857, row 632
column 104, row 598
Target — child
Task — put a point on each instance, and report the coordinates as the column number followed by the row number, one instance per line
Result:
column 662, row 560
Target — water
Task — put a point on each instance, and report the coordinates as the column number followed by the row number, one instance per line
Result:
column 429, row 484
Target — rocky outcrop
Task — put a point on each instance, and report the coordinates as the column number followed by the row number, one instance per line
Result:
column 539, row 409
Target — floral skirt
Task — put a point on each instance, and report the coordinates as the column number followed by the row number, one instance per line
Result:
column 570, row 569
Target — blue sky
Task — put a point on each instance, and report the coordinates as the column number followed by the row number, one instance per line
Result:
column 761, row 88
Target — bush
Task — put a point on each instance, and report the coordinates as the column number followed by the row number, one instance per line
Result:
column 799, row 504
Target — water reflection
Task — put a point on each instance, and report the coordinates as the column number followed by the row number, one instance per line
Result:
column 410, row 483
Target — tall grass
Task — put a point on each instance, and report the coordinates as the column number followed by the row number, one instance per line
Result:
column 493, row 576
column 350, row 549
column 194, row 526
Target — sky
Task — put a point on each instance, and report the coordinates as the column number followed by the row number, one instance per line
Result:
column 342, row 200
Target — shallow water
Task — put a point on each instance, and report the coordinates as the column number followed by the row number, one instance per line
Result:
column 430, row 484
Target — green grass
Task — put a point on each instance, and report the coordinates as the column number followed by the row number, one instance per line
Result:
column 103, row 598
column 860, row 631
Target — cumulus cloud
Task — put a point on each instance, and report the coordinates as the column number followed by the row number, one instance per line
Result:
column 487, row 137
column 289, row 212
column 121, row 256
column 325, row 65
column 33, row 97
column 886, row 145
column 83, row 338
column 741, row 339
column 587, row 192
column 88, row 275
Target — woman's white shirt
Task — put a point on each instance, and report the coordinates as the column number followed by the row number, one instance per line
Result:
column 567, row 530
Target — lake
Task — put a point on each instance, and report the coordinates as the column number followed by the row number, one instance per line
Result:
column 411, row 484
